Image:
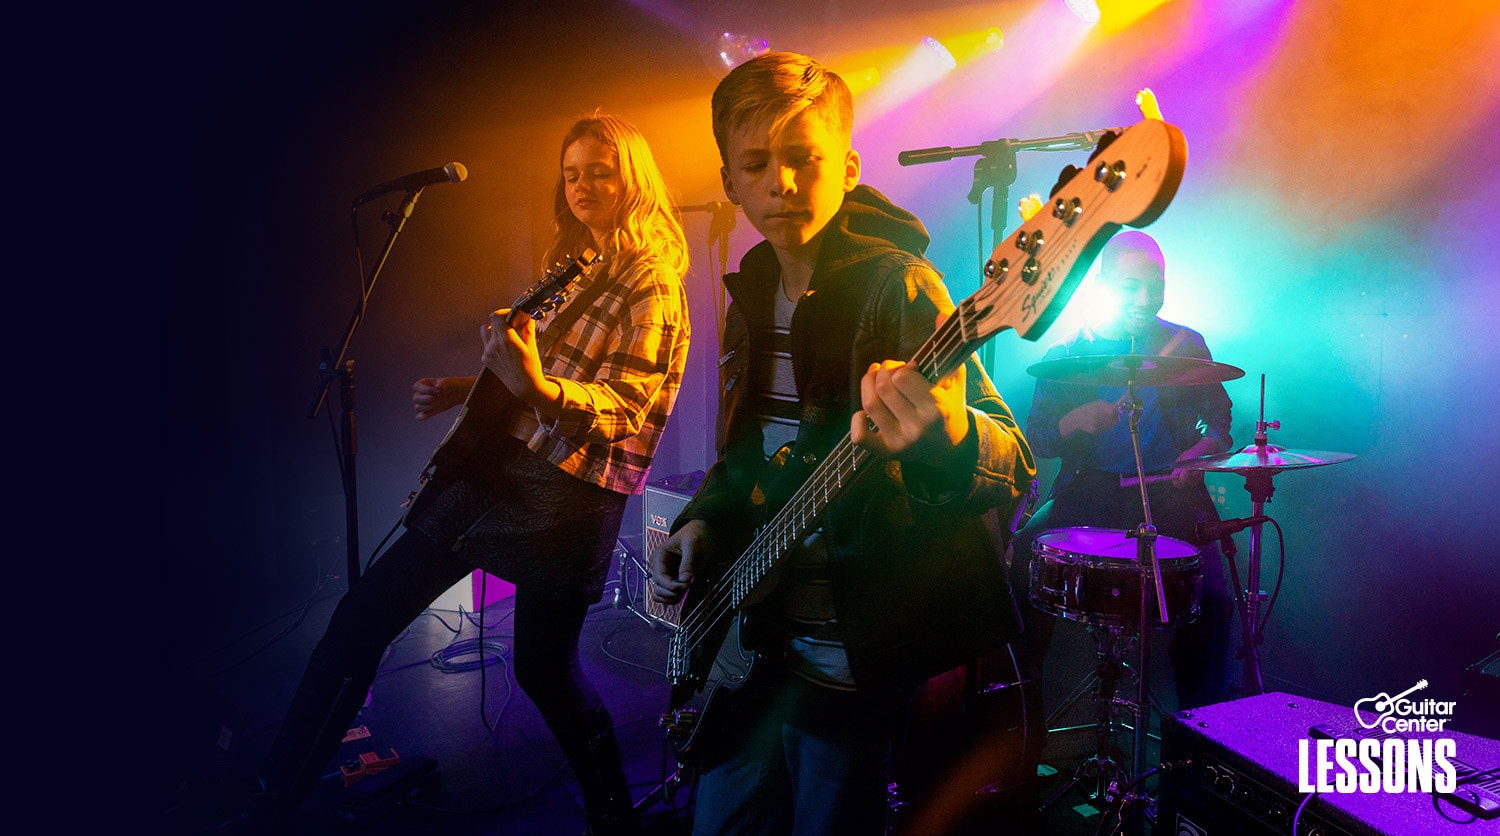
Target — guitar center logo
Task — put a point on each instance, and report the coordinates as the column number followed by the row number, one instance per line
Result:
column 1398, row 714
column 1379, row 757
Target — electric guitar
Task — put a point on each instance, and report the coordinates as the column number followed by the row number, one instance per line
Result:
column 1131, row 178
column 489, row 405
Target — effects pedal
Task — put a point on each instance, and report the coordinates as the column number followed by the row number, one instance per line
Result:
column 412, row 778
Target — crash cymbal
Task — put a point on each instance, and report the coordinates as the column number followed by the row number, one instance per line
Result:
column 1269, row 457
column 1143, row 369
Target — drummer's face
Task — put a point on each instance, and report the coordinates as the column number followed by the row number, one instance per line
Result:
column 1137, row 283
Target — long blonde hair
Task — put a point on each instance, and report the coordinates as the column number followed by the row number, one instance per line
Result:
column 644, row 225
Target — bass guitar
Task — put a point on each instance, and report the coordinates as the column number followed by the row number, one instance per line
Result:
column 1130, row 179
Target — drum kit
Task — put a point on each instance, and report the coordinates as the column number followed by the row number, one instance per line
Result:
column 1123, row 584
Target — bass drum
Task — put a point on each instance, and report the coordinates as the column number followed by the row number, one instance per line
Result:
column 966, row 763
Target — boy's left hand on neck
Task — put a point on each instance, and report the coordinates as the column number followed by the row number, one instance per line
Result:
column 905, row 417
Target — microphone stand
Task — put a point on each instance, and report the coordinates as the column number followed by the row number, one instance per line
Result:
column 995, row 172
column 718, row 231
column 330, row 367
column 723, row 223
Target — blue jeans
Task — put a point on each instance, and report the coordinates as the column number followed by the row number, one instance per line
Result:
column 806, row 760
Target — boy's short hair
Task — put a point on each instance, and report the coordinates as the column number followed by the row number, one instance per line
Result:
column 776, row 86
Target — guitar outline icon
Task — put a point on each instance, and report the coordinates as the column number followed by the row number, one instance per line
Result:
column 1384, row 703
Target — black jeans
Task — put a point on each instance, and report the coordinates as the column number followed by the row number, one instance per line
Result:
column 398, row 587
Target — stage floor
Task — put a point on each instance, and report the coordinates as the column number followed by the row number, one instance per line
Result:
column 498, row 769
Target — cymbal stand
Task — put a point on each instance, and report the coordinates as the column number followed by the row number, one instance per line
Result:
column 1258, row 483
column 1101, row 767
column 1150, row 570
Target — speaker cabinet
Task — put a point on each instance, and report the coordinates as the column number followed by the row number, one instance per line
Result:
column 662, row 502
column 1479, row 710
column 1243, row 776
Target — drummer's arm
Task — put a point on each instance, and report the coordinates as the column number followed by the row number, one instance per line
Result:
column 1212, row 406
column 1208, row 445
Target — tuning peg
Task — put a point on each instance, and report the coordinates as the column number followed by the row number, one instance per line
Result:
column 1146, row 101
column 1028, row 206
column 1062, row 178
column 1104, row 142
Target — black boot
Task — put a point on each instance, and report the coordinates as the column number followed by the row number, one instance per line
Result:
column 588, row 740
column 266, row 814
column 310, row 733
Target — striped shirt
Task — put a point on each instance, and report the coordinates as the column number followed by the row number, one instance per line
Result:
column 803, row 600
column 619, row 367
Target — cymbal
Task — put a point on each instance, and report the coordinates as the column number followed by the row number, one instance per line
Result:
column 1143, row 369
column 1269, row 457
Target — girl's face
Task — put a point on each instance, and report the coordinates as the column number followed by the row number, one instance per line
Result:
column 592, row 185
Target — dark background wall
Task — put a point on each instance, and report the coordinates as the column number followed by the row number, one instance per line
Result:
column 1334, row 234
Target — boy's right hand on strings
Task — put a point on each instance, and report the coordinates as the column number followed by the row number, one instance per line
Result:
column 432, row 395
column 673, row 561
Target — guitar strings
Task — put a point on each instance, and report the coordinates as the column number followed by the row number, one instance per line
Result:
column 845, row 458
column 714, row 609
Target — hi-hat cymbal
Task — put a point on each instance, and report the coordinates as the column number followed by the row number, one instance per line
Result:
column 1269, row 457
column 1142, row 369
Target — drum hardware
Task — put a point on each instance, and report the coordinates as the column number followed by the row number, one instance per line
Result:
column 1101, row 772
column 1132, row 370
column 1258, row 463
column 1090, row 575
column 1137, row 369
column 1150, row 576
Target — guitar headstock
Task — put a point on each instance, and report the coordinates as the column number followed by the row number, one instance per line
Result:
column 552, row 289
column 1031, row 275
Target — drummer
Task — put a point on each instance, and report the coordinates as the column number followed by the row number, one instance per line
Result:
column 1096, row 484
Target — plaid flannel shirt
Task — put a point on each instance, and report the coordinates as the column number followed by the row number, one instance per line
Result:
column 619, row 367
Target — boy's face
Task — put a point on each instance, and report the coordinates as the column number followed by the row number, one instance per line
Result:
column 789, row 190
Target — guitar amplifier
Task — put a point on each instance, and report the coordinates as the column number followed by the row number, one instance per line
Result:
column 663, row 500
column 1479, row 710
column 1242, row 778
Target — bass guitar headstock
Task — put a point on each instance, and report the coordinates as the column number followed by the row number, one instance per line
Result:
column 1130, row 179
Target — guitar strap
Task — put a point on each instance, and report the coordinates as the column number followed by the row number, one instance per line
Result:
column 563, row 322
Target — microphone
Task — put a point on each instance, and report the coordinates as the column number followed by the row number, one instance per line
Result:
column 1208, row 531
column 929, row 155
column 450, row 173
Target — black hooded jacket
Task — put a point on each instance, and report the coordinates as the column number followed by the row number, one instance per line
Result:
column 915, row 553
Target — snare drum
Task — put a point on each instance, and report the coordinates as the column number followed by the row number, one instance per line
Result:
column 1091, row 575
